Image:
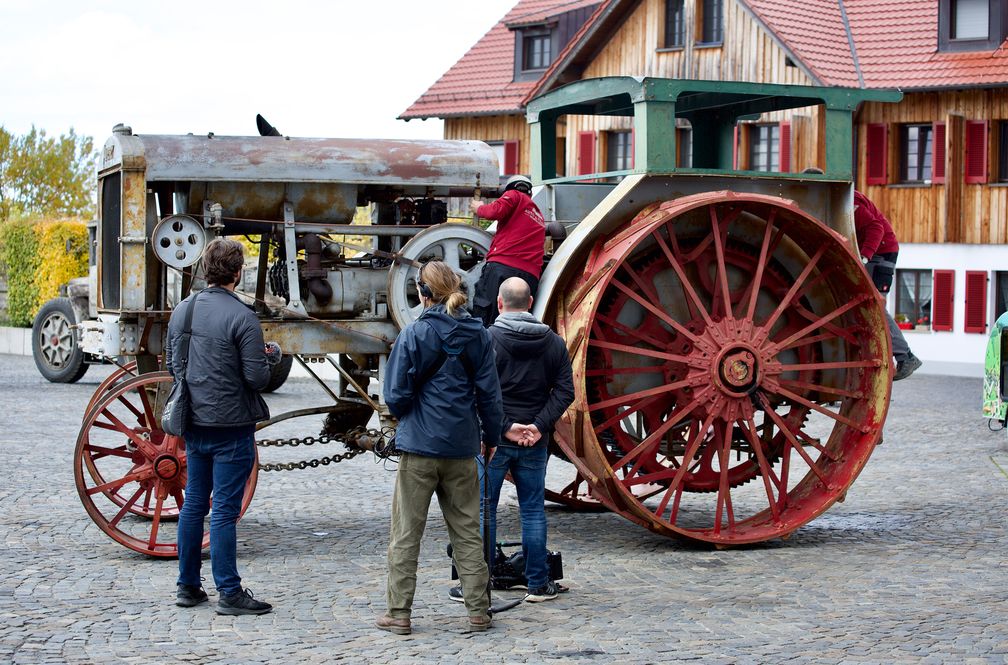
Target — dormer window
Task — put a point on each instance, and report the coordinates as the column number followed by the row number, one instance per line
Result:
column 535, row 51
column 971, row 25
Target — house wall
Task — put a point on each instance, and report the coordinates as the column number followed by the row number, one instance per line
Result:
column 493, row 129
column 748, row 53
column 918, row 212
column 956, row 353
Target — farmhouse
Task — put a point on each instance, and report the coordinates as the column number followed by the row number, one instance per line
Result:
column 935, row 163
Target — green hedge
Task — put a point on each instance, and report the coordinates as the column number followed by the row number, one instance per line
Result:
column 37, row 256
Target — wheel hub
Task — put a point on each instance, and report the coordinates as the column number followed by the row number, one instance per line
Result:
column 167, row 467
column 738, row 371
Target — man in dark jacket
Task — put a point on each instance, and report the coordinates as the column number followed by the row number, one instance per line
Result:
column 440, row 375
column 227, row 367
column 879, row 250
column 537, row 387
column 518, row 245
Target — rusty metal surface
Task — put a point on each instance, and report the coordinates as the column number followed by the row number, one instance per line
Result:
column 314, row 338
column 311, row 160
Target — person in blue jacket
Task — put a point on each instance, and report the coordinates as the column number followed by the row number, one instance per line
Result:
column 440, row 375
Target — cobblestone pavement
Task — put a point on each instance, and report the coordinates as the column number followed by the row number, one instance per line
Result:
column 910, row 569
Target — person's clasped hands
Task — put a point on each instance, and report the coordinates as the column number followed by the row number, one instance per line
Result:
column 273, row 353
column 523, row 435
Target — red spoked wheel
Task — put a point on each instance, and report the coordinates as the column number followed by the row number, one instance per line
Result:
column 721, row 339
column 129, row 474
column 119, row 374
column 141, row 508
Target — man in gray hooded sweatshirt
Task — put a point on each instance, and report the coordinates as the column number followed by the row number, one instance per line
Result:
column 537, row 387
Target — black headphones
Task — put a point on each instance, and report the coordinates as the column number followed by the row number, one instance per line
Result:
column 424, row 289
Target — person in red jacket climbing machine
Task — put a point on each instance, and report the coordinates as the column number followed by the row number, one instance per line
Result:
column 517, row 248
column 879, row 248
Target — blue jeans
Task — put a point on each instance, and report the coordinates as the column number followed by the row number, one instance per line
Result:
column 528, row 470
column 223, row 468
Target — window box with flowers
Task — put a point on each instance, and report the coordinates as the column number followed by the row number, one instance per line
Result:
column 903, row 323
column 923, row 324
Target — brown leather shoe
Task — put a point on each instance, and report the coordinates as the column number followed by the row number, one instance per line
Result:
column 394, row 625
column 480, row 622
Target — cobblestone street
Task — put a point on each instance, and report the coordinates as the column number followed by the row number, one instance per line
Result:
column 911, row 568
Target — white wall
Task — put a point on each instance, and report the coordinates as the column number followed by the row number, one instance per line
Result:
column 953, row 353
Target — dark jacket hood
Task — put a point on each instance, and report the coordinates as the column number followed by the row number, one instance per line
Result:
column 452, row 331
column 526, row 335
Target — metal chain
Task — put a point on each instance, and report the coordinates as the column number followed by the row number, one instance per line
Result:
column 346, row 438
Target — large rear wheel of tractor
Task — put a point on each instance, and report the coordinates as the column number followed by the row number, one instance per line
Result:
column 731, row 351
column 130, row 475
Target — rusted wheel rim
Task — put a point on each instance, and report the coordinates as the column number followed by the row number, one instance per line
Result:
column 724, row 370
column 129, row 474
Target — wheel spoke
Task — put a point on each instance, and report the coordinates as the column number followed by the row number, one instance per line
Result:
column 114, row 485
column 799, row 281
column 613, row 371
column 622, row 400
column 655, row 437
column 661, row 314
column 141, row 443
column 821, row 409
column 676, row 485
column 126, row 506
column 818, row 323
column 818, row 387
column 636, row 350
column 686, row 284
column 722, row 268
column 648, row 339
column 102, row 451
column 724, row 491
column 625, row 414
column 749, row 429
column 757, row 281
column 156, row 522
column 793, row 443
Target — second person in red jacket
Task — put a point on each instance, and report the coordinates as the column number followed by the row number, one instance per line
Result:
column 517, row 248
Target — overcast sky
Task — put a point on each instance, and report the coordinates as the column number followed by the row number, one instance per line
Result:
column 338, row 68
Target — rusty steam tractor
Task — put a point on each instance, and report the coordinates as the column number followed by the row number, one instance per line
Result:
column 731, row 360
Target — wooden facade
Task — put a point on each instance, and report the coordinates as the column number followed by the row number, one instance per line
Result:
column 953, row 211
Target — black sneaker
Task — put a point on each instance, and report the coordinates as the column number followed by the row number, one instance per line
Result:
column 242, row 603
column 547, row 591
column 189, row 596
column 455, row 593
column 907, row 366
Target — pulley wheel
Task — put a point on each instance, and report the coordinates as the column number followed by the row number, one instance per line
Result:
column 461, row 246
column 179, row 241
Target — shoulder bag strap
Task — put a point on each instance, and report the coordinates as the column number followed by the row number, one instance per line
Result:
column 187, row 335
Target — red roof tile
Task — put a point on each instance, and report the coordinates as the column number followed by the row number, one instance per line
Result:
column 480, row 83
column 897, row 44
column 814, row 31
column 533, row 18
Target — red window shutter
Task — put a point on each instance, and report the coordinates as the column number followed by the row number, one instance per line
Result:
column 877, row 154
column 976, row 151
column 586, row 153
column 734, row 150
column 942, row 300
column 938, row 154
column 510, row 157
column 785, row 147
column 976, row 302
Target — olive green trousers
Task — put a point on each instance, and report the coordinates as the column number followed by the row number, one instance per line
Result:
column 456, row 484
